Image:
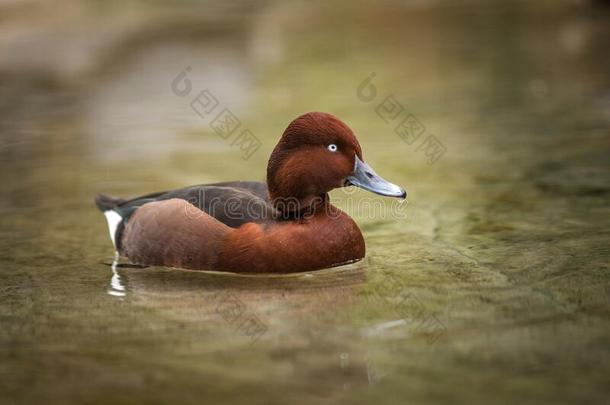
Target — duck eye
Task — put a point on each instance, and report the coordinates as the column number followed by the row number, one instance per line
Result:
column 332, row 147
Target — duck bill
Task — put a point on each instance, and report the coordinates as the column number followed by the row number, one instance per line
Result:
column 365, row 177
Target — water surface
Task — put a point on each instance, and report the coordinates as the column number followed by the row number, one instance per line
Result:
column 489, row 284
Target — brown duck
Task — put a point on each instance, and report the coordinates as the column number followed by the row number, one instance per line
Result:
column 284, row 225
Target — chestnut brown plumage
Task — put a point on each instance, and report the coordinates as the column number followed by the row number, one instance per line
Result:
column 285, row 225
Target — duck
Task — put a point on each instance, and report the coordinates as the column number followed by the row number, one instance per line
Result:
column 284, row 225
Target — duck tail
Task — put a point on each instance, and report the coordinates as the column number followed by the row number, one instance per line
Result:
column 105, row 202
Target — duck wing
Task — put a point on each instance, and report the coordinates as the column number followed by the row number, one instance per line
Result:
column 257, row 188
column 232, row 203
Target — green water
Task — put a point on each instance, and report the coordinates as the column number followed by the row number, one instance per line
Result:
column 490, row 285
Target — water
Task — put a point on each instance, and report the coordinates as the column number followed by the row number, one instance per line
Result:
column 490, row 283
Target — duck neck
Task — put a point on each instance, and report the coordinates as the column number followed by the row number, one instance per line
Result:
column 292, row 208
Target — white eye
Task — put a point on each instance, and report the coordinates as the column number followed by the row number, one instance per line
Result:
column 332, row 147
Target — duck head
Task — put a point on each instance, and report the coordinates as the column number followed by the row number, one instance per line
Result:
column 318, row 153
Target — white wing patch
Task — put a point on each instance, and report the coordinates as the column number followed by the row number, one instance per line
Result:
column 114, row 219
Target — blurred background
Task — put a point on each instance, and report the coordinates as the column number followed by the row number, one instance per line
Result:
column 490, row 284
